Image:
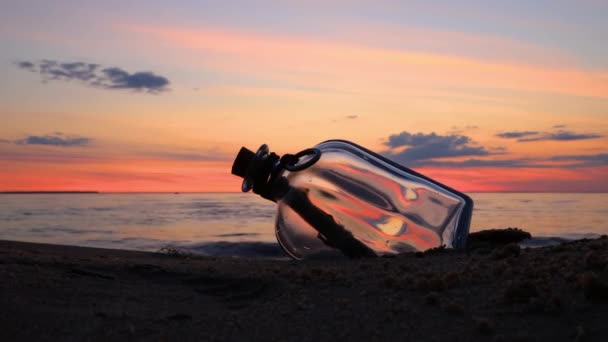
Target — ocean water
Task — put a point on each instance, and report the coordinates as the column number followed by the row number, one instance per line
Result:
column 243, row 224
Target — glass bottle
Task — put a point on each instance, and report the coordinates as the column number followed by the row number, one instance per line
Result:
column 341, row 197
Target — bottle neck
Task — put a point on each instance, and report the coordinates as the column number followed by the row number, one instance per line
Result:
column 265, row 177
column 263, row 170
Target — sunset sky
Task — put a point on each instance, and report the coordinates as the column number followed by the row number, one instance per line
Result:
column 160, row 95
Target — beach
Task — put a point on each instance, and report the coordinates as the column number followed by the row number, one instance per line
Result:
column 490, row 293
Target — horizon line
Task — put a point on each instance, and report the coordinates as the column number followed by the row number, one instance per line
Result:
column 96, row 192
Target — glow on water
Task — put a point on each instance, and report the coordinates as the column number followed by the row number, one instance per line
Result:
column 569, row 215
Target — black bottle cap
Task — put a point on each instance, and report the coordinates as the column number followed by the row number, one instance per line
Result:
column 242, row 162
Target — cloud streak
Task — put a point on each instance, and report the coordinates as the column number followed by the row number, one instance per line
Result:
column 26, row 151
column 583, row 160
column 560, row 135
column 187, row 156
column 56, row 139
column 563, row 136
column 482, row 163
column 513, row 135
column 554, row 162
column 97, row 76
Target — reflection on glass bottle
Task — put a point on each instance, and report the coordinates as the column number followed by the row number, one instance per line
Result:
column 341, row 197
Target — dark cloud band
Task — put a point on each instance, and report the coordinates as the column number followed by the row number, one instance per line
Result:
column 516, row 135
column 54, row 140
column 97, row 76
column 583, row 160
column 560, row 135
column 421, row 146
column 452, row 150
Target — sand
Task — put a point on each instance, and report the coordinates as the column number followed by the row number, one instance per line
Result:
column 497, row 293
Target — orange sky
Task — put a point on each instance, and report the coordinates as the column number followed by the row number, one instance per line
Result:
column 482, row 99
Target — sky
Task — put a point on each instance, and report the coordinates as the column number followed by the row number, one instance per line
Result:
column 151, row 96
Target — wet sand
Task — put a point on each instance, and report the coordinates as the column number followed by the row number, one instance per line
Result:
column 496, row 293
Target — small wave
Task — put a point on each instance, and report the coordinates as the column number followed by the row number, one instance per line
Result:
column 61, row 229
column 544, row 241
column 103, row 208
column 236, row 234
column 225, row 248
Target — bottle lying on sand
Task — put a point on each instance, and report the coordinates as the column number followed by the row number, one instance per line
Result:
column 341, row 197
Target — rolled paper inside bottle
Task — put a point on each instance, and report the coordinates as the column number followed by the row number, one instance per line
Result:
column 331, row 233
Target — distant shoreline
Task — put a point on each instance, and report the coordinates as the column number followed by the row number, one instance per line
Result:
column 46, row 192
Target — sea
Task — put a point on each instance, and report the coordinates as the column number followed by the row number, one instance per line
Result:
column 242, row 224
